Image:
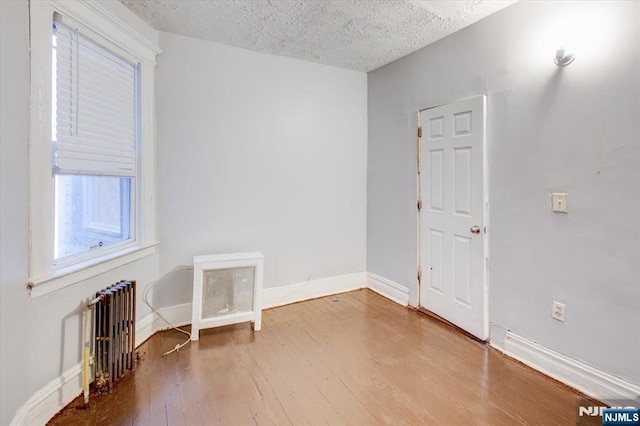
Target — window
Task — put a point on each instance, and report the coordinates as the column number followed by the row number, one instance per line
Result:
column 91, row 213
column 91, row 143
column 94, row 122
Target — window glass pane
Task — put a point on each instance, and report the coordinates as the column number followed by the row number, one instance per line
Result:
column 91, row 212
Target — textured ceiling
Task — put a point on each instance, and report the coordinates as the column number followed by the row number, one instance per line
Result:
column 356, row 34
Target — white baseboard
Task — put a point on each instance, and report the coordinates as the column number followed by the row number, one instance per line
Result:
column 42, row 406
column 387, row 288
column 21, row 414
column 588, row 379
column 278, row 296
column 53, row 397
column 178, row 315
column 145, row 329
column 594, row 382
column 45, row 403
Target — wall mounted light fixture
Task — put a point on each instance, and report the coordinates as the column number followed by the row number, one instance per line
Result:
column 563, row 57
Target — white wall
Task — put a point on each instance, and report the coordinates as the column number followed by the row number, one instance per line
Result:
column 572, row 130
column 259, row 152
column 14, row 302
column 39, row 338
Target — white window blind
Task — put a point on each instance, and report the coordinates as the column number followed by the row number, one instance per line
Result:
column 95, row 107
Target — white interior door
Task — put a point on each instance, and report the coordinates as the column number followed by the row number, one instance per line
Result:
column 452, row 228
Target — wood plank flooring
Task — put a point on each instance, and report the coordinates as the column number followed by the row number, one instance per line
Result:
column 350, row 359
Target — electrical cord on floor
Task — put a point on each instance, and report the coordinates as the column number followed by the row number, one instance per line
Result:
column 145, row 294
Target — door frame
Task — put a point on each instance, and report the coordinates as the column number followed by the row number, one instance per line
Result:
column 485, row 207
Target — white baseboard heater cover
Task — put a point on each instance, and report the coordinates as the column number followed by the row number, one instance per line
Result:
column 226, row 290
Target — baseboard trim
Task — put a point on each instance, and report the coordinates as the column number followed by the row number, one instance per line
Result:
column 43, row 405
column 54, row 396
column 284, row 295
column 178, row 316
column 19, row 418
column 587, row 379
column 387, row 288
column 145, row 329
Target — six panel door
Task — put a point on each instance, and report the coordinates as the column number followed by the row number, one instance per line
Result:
column 452, row 217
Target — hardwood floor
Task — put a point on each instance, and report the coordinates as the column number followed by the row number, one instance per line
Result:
column 350, row 359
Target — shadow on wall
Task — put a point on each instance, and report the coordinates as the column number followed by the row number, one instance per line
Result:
column 73, row 316
column 173, row 288
column 548, row 96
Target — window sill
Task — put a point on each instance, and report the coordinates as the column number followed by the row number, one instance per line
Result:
column 89, row 269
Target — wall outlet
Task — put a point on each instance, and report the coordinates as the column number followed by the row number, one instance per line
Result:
column 558, row 311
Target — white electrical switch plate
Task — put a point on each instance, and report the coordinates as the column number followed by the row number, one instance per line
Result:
column 559, row 202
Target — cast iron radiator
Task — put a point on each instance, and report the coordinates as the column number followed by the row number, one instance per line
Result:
column 115, row 332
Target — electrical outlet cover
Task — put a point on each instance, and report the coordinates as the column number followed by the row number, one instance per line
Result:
column 558, row 311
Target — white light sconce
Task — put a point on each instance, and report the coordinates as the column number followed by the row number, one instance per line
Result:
column 563, row 57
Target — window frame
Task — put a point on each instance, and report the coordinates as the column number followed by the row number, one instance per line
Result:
column 101, row 25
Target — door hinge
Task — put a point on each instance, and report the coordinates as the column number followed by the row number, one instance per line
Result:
column 419, row 131
column 419, row 275
column 419, row 204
